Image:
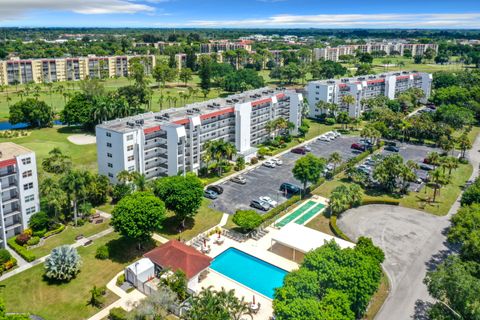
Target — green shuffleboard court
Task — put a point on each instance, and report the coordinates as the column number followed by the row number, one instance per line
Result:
column 306, row 216
column 295, row 214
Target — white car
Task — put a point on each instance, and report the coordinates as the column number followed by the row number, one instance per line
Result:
column 277, row 161
column 337, row 134
column 324, row 138
column 331, row 135
column 307, row 148
column 269, row 164
column 272, row 203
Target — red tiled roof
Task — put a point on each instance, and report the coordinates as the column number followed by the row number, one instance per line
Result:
column 216, row 113
column 176, row 255
column 150, row 130
column 258, row 102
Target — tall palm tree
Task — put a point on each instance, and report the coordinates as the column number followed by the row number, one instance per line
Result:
column 75, row 183
column 140, row 181
column 450, row 163
column 464, row 144
column 439, row 180
column 433, row 158
column 348, row 100
column 124, row 176
column 336, row 159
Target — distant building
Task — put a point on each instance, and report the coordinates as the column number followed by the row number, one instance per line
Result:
column 224, row 45
column 20, row 71
column 19, row 189
column 334, row 53
column 364, row 87
column 172, row 141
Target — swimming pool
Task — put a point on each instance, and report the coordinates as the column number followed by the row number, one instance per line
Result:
column 250, row 271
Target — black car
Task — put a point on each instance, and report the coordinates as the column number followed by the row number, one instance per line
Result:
column 392, row 148
column 217, row 189
column 289, row 188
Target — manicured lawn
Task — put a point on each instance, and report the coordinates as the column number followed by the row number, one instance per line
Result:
column 108, row 207
column 320, row 223
column 68, row 235
column 29, row 292
column 43, row 140
column 414, row 200
column 204, row 220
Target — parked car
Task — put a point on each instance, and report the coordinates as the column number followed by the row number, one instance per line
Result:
column 259, row 204
column 300, row 150
column 307, row 148
column 272, row 203
column 269, row 164
column 239, row 180
column 217, row 189
column 324, row 138
column 358, row 146
column 210, row 194
column 425, row 166
column 392, row 148
column 426, row 161
column 289, row 188
column 277, row 161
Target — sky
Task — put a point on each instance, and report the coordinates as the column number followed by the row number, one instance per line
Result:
column 439, row 14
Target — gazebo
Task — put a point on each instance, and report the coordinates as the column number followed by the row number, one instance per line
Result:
column 303, row 239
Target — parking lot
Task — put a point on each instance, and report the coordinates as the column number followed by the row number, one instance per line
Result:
column 263, row 181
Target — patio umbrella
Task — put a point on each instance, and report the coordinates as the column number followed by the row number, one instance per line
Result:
column 205, row 242
column 253, row 299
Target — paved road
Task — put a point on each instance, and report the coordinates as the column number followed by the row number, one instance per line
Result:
column 413, row 241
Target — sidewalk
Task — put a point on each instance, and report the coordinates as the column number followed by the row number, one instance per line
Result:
column 28, row 265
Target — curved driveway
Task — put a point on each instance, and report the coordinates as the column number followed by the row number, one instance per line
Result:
column 413, row 242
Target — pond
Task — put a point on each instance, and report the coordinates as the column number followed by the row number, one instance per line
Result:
column 5, row 125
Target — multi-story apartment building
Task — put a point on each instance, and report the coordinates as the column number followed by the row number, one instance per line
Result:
column 18, row 189
column 17, row 71
column 364, row 87
column 172, row 141
column 333, row 53
column 181, row 58
column 224, row 45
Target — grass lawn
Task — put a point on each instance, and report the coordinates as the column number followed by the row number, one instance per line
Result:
column 68, row 235
column 414, row 200
column 321, row 223
column 43, row 140
column 107, row 207
column 29, row 292
column 204, row 220
column 378, row 298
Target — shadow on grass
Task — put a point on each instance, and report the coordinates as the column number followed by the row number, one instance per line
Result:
column 172, row 226
column 124, row 250
column 57, row 282
column 72, row 130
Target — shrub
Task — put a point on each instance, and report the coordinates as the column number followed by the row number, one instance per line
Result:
column 102, row 253
column 117, row 314
column 39, row 221
column 63, row 263
column 59, row 229
column 33, row 241
column 4, row 256
column 121, row 279
column 28, row 232
column 22, row 251
column 336, row 230
column 392, row 202
column 254, row 160
column 22, row 238
column 40, row 233
column 10, row 264
column 330, row 121
column 240, row 163
column 247, row 219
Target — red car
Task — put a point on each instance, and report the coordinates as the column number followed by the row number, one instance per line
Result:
column 300, row 150
column 358, row 146
column 426, row 161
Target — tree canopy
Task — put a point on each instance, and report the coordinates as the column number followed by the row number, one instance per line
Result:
column 308, row 169
column 35, row 112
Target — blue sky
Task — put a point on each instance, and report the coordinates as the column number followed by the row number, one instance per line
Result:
column 242, row 13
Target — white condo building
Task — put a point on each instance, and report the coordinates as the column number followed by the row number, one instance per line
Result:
column 18, row 188
column 364, row 87
column 172, row 141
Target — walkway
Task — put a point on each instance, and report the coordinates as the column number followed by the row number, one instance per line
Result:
column 28, row 265
column 127, row 301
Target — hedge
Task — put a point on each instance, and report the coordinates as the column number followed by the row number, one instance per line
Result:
column 54, row 231
column 392, row 202
column 336, row 230
column 22, row 251
column 281, row 207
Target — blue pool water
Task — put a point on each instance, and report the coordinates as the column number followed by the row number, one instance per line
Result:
column 250, row 271
column 5, row 125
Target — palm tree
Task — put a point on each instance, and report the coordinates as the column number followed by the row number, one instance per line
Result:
column 75, row 183
column 433, row 158
column 464, row 144
column 54, row 196
column 450, row 163
column 124, row 176
column 140, row 181
column 404, row 126
column 439, row 179
column 336, row 159
column 103, row 110
column 348, row 100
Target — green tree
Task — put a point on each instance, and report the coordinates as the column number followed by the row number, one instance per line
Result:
column 162, row 73
column 388, row 170
column 39, row 221
column 182, row 195
column 138, row 215
column 96, row 297
column 247, row 220
column 464, row 144
column 63, row 263
column 308, row 169
column 75, row 183
column 336, row 159
column 156, row 305
column 56, row 162
column 185, row 75
column 34, row 112
column 465, row 230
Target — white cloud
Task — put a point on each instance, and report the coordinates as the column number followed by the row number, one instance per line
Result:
column 460, row 20
column 14, row 9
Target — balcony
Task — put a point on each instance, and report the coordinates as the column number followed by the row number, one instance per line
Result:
column 6, row 173
column 11, row 214
column 13, row 225
column 8, row 200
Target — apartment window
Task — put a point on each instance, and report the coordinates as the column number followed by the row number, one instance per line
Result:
column 110, row 175
column 27, row 173
column 28, row 186
column 29, row 198
column 110, row 165
column 26, row 161
column 30, row 210
column 109, row 145
column 109, row 134
column 130, row 137
column 130, row 148
column 131, row 168
column 130, row 158
column 109, row 155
